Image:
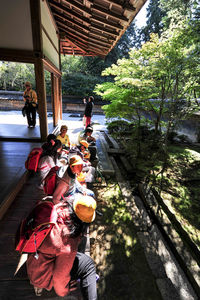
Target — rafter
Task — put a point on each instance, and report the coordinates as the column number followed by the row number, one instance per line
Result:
column 125, row 4
column 103, row 38
column 90, row 36
column 106, row 22
column 109, row 13
column 92, row 27
column 69, row 12
column 79, row 34
column 104, row 29
column 58, row 18
column 88, row 39
column 78, row 44
column 76, row 38
column 78, row 6
column 83, row 19
column 72, row 21
column 74, row 45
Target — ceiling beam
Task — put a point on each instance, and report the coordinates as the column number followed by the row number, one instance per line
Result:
column 78, row 6
column 74, row 45
column 88, row 36
column 63, row 19
column 103, row 37
column 125, row 4
column 72, row 21
column 70, row 35
column 109, row 13
column 68, row 11
column 104, row 29
column 81, row 35
column 83, row 19
column 106, row 22
column 71, row 29
column 77, row 43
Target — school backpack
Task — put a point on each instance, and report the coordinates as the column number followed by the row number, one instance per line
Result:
column 50, row 181
column 33, row 229
column 33, row 159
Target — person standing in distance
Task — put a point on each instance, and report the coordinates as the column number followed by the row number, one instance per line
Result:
column 88, row 110
column 30, row 98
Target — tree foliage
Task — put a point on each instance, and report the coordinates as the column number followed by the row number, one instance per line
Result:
column 162, row 77
column 154, row 22
column 13, row 75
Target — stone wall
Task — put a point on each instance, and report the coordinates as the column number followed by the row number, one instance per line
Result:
column 14, row 101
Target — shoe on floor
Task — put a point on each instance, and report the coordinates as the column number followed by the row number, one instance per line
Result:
column 38, row 291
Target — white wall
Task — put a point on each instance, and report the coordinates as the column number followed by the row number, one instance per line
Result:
column 15, row 25
column 51, row 51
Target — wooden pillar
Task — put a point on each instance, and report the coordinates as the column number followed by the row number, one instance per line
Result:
column 39, row 66
column 41, row 93
column 60, row 85
column 60, row 96
column 57, row 106
column 55, row 99
column 53, row 104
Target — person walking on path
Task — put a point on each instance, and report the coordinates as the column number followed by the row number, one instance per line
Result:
column 30, row 98
column 88, row 109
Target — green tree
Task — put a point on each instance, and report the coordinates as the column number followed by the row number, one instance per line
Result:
column 154, row 22
column 176, row 11
column 159, row 78
column 85, row 72
column 13, row 75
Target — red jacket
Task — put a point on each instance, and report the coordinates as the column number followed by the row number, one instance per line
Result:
column 56, row 257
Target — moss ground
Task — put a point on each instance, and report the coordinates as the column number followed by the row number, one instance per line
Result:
column 181, row 187
column 120, row 260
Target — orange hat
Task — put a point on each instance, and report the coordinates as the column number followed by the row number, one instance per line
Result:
column 84, row 207
column 84, row 143
column 76, row 160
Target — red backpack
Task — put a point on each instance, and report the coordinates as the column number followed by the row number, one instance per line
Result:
column 50, row 181
column 33, row 159
column 33, row 230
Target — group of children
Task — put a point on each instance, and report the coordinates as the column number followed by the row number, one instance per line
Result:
column 68, row 210
column 58, row 150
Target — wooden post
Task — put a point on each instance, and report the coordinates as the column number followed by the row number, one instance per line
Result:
column 55, row 99
column 41, row 93
column 39, row 66
column 60, row 97
column 53, row 104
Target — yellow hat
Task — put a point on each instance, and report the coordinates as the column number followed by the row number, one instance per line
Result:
column 84, row 143
column 75, row 160
column 84, row 207
column 27, row 83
